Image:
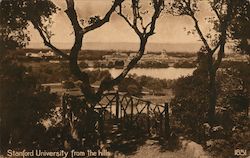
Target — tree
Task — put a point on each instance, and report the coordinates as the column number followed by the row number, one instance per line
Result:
column 37, row 17
column 94, row 23
column 131, row 86
column 225, row 13
column 37, row 12
column 91, row 96
column 23, row 106
column 15, row 17
column 119, row 63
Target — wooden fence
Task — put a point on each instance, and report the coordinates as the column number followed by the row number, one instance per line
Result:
column 122, row 109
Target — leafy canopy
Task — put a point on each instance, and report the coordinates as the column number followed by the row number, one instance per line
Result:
column 14, row 20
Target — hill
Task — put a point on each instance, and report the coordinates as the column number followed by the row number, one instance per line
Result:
column 152, row 47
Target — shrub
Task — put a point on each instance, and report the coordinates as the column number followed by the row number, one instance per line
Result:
column 131, row 86
column 83, row 64
column 23, row 106
column 119, row 63
column 68, row 85
column 190, row 106
column 185, row 64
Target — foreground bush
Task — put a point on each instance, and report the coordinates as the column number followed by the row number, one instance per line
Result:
column 231, row 128
column 23, row 106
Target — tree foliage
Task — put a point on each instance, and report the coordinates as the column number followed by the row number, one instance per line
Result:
column 225, row 14
column 23, row 106
column 15, row 16
column 190, row 108
column 240, row 26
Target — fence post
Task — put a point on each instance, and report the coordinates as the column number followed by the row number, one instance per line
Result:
column 132, row 109
column 167, row 126
column 63, row 105
column 161, row 125
column 65, row 102
column 247, row 111
column 101, row 125
column 117, row 105
column 148, row 118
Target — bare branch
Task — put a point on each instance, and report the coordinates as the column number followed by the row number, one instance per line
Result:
column 158, row 7
column 48, row 43
column 135, row 28
column 72, row 15
column 135, row 10
column 74, row 67
column 197, row 27
column 79, row 33
column 191, row 13
column 105, row 19
column 70, row 3
column 223, row 28
column 216, row 47
column 107, row 84
column 217, row 13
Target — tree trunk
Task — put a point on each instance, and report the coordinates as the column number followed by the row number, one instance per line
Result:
column 212, row 97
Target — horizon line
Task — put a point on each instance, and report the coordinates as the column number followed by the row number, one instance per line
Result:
column 127, row 42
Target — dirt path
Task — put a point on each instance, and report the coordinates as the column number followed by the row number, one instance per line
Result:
column 153, row 150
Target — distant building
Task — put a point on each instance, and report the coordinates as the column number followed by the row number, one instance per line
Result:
column 40, row 54
column 49, row 54
column 33, row 55
column 54, row 61
column 117, row 55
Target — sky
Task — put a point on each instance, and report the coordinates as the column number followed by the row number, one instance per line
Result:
column 169, row 29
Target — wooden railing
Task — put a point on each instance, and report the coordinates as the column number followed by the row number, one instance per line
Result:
column 123, row 109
